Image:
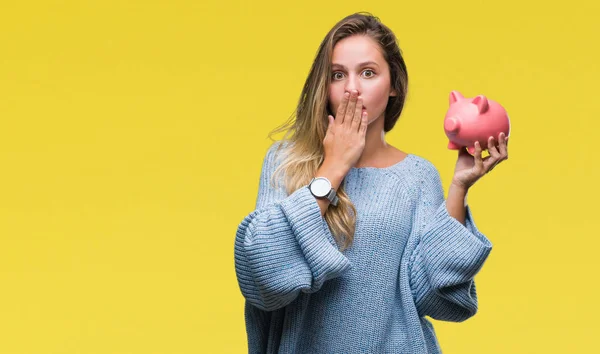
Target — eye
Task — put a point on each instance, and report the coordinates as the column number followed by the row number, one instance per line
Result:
column 370, row 71
column 333, row 75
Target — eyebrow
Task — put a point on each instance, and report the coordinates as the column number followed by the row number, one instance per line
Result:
column 359, row 65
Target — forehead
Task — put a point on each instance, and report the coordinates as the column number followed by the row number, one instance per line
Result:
column 357, row 49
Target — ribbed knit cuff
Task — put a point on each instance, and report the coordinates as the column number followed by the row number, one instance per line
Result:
column 315, row 239
column 454, row 252
column 470, row 225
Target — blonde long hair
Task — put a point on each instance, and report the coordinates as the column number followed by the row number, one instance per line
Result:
column 305, row 130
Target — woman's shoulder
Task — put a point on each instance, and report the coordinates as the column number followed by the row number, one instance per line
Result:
column 274, row 156
column 277, row 146
column 415, row 166
column 419, row 161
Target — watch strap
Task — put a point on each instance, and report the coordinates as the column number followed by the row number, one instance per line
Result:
column 333, row 198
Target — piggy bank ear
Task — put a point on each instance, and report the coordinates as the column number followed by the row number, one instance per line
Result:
column 455, row 96
column 482, row 103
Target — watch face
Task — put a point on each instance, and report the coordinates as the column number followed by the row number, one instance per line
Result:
column 320, row 187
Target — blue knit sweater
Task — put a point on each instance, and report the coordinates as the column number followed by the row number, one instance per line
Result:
column 409, row 259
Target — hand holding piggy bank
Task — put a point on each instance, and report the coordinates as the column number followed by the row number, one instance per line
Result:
column 474, row 119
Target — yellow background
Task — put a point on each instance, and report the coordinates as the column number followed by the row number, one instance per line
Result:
column 132, row 136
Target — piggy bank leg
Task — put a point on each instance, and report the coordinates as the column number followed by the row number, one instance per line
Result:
column 471, row 150
column 453, row 146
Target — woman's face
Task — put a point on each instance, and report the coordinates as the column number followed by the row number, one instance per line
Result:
column 357, row 64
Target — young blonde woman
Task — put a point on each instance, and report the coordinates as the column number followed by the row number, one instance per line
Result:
column 352, row 243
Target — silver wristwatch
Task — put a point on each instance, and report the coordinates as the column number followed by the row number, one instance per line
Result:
column 320, row 187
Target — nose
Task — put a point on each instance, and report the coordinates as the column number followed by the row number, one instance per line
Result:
column 352, row 84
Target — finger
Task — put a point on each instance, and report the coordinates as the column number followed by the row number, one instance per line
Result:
column 503, row 146
column 363, row 124
column 501, row 142
column 331, row 123
column 492, row 148
column 357, row 114
column 489, row 163
column 478, row 159
column 492, row 166
column 342, row 109
column 350, row 109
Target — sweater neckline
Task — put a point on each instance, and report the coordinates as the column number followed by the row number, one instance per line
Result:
column 382, row 169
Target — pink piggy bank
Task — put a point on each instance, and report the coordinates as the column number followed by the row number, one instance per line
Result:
column 474, row 119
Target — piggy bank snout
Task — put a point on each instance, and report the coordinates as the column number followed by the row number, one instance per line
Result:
column 452, row 125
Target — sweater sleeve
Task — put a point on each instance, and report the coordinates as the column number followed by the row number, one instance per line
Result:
column 284, row 246
column 447, row 255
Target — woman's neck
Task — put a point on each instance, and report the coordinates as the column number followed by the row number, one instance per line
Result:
column 375, row 145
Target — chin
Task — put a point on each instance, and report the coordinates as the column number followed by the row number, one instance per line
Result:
column 369, row 121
